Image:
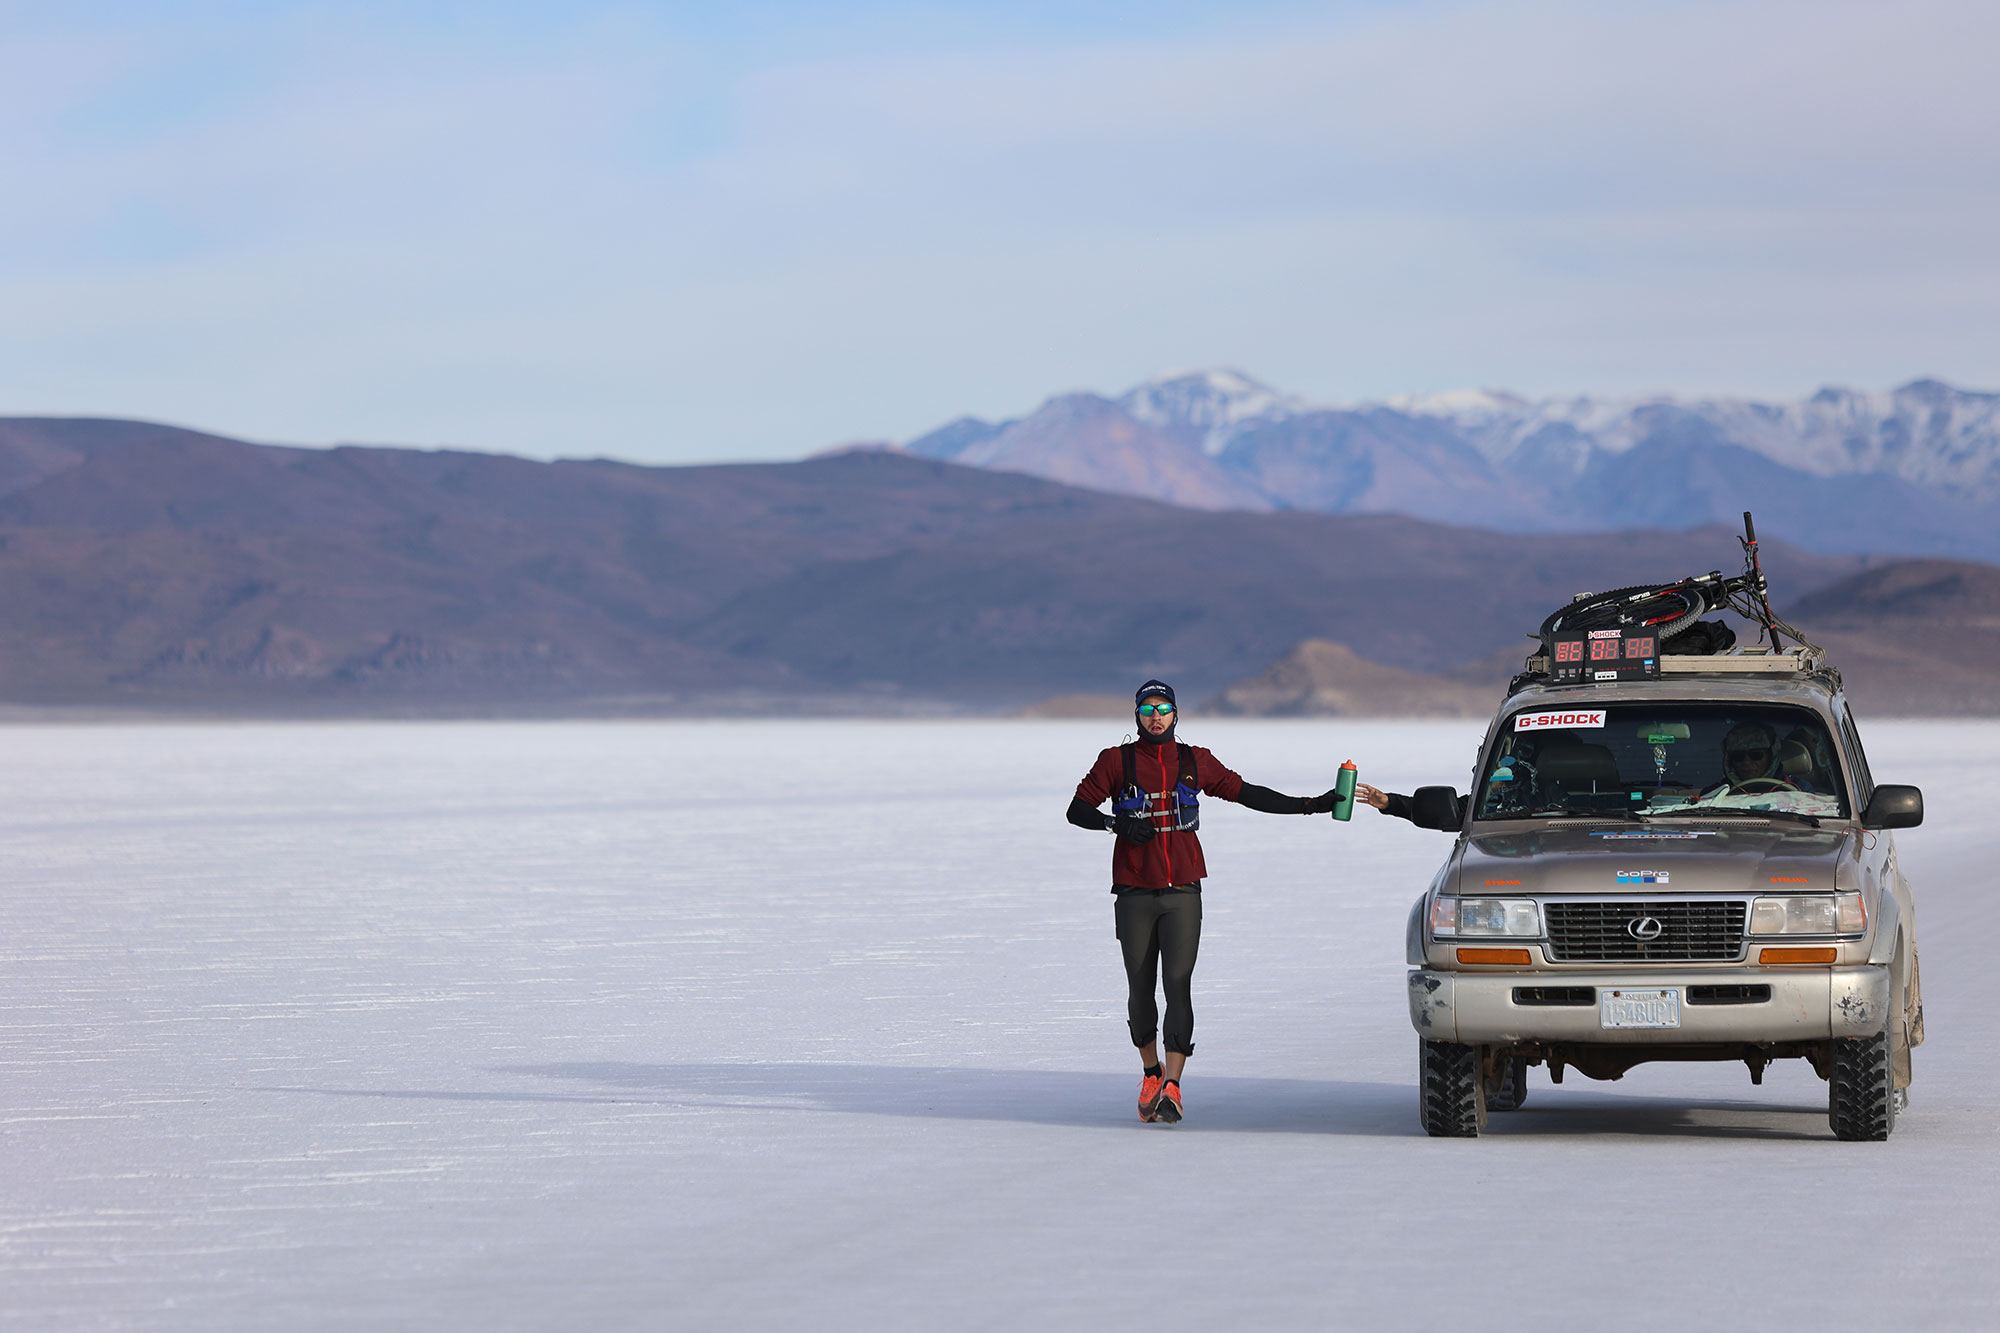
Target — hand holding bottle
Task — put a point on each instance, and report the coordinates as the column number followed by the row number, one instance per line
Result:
column 1343, row 789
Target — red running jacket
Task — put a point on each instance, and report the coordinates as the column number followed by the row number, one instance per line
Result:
column 1170, row 858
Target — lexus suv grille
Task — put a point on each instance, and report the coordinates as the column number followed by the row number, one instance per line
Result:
column 1627, row 931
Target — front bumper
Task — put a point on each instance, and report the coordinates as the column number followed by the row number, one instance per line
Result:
column 1806, row 1004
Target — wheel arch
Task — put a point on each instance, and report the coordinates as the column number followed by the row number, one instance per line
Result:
column 1889, row 932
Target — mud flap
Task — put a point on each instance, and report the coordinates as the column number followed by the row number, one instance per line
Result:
column 1916, row 999
column 1909, row 1029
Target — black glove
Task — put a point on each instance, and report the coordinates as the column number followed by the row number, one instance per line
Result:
column 1323, row 803
column 1137, row 830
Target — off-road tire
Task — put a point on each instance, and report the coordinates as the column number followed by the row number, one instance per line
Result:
column 1860, row 1088
column 1451, row 1095
column 1510, row 1090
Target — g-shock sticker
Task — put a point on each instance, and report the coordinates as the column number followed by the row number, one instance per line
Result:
column 1544, row 721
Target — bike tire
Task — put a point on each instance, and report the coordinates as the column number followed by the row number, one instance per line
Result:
column 1666, row 608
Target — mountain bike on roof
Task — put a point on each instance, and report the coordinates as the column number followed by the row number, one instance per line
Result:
column 1669, row 609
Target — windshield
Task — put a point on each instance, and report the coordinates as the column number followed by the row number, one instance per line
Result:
column 1621, row 759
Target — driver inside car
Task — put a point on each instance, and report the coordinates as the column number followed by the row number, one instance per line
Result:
column 1750, row 752
column 1754, row 761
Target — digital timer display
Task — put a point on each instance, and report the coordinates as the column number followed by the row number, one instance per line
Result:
column 1605, row 654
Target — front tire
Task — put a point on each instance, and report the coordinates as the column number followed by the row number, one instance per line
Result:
column 1860, row 1087
column 1451, row 1095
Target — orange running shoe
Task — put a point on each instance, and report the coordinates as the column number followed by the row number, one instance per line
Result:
column 1167, row 1110
column 1149, row 1096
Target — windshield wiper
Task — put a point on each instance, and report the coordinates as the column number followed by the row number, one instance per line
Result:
column 1741, row 811
column 1578, row 812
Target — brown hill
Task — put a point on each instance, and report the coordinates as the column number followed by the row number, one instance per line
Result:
column 148, row 566
column 1320, row 678
column 1918, row 637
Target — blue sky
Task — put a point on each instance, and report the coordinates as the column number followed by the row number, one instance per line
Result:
column 677, row 233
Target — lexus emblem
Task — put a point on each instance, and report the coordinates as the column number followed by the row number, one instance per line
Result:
column 1644, row 928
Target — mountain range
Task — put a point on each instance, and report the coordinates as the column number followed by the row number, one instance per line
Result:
column 1913, row 471
column 150, row 567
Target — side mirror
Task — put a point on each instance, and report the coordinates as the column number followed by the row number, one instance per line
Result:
column 1438, row 808
column 1894, row 806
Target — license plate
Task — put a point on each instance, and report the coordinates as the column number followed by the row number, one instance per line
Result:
column 1639, row 1008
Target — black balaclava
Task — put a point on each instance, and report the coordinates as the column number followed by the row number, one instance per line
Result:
column 1147, row 691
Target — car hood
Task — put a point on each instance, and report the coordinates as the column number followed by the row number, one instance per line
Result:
column 1600, row 860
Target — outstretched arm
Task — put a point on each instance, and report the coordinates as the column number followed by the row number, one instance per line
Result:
column 1277, row 803
column 1388, row 802
column 1218, row 780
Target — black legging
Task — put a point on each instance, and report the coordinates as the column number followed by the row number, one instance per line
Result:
column 1156, row 924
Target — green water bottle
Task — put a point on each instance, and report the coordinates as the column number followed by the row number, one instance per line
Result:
column 1343, row 791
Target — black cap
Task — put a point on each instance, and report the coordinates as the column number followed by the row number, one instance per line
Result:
column 1153, row 687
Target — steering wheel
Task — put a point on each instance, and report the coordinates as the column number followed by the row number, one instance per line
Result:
column 1763, row 784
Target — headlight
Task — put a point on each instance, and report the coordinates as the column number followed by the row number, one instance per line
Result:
column 1841, row 914
column 1496, row 916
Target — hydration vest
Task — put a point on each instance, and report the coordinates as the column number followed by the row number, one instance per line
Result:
column 1183, row 812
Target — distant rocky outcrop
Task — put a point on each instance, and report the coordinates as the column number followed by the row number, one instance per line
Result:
column 1081, row 706
column 1320, row 678
column 1914, row 638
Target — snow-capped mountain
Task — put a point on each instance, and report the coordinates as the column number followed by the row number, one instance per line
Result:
column 1914, row 469
column 1926, row 432
column 1217, row 403
column 1153, row 442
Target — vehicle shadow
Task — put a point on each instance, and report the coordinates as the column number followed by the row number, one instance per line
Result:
column 1551, row 1113
column 1034, row 1097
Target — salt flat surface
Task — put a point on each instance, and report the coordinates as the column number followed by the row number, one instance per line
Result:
column 750, row 1024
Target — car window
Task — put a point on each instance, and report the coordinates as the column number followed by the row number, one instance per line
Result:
column 1655, row 758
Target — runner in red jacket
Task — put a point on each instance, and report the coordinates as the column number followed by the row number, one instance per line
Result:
column 1154, row 786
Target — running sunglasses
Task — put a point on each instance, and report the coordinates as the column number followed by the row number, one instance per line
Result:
column 1750, row 754
column 1155, row 710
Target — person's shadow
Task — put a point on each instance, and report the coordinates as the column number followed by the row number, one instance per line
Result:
column 1036, row 1097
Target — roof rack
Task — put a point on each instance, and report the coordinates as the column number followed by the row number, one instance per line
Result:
column 1798, row 660
column 1754, row 660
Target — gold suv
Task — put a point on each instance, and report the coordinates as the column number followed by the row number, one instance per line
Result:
column 1698, row 866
